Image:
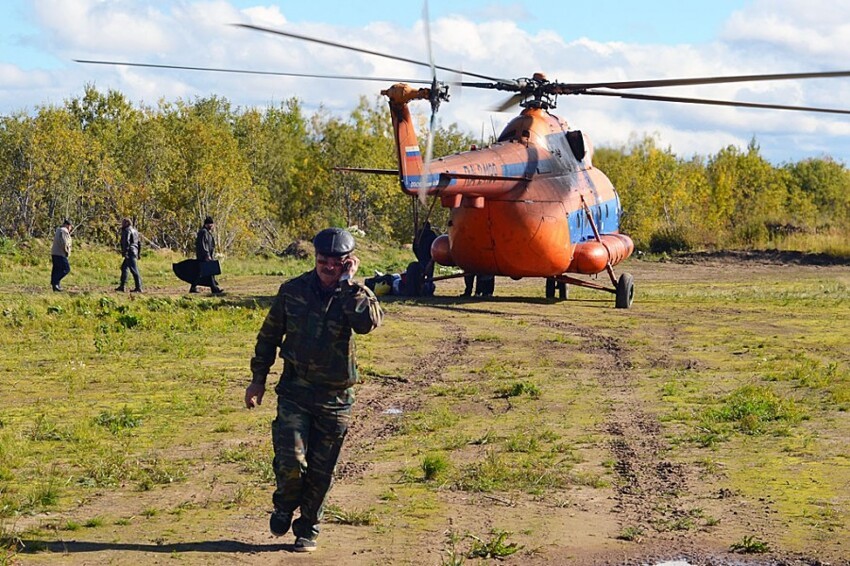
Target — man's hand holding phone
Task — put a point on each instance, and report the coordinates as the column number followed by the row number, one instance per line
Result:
column 349, row 267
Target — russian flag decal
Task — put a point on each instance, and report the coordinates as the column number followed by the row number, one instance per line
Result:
column 411, row 152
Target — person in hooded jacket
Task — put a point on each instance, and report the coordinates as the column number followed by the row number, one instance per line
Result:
column 204, row 253
column 131, row 248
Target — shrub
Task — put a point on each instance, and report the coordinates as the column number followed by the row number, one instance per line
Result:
column 669, row 240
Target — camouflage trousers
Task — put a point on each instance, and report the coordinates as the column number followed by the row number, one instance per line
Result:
column 307, row 434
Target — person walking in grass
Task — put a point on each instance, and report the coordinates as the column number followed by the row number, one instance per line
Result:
column 311, row 321
column 60, row 252
column 205, row 253
column 131, row 247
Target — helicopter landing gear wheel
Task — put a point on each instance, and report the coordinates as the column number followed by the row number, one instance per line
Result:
column 550, row 288
column 625, row 291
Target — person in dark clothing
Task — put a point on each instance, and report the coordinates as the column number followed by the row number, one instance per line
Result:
column 422, row 249
column 59, row 254
column 311, row 321
column 484, row 285
column 469, row 284
column 205, row 252
column 420, row 274
column 131, row 248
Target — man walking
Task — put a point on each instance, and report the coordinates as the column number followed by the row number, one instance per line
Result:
column 60, row 252
column 205, row 254
column 311, row 320
column 131, row 247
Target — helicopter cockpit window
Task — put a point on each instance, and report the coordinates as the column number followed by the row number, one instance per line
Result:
column 576, row 141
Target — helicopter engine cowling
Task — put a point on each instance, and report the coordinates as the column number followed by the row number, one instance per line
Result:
column 441, row 251
column 593, row 256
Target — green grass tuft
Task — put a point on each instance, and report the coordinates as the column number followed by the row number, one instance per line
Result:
column 751, row 409
column 518, row 388
column 353, row 517
column 495, row 547
column 434, row 466
column 750, row 545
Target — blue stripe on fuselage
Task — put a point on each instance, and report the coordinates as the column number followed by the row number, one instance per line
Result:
column 414, row 181
column 606, row 215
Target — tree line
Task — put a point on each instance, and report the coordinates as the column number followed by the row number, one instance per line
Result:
column 266, row 176
column 733, row 199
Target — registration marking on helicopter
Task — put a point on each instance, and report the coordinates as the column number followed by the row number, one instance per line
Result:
column 484, row 169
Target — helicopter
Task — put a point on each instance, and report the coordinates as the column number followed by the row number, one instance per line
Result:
column 531, row 204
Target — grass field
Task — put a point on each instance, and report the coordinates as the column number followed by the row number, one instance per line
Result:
column 713, row 416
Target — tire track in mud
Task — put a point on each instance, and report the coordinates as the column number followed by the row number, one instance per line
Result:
column 650, row 487
column 381, row 393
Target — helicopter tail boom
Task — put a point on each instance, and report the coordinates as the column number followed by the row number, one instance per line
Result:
column 479, row 178
column 408, row 153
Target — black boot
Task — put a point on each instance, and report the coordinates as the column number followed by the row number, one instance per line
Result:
column 279, row 522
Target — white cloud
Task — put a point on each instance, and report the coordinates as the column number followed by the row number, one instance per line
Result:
column 813, row 30
column 265, row 15
column 13, row 77
column 96, row 25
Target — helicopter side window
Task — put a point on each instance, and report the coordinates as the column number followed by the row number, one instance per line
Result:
column 506, row 136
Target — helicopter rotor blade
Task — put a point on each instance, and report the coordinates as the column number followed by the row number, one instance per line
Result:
column 362, row 50
column 508, row 103
column 707, row 101
column 435, row 103
column 251, row 72
column 570, row 88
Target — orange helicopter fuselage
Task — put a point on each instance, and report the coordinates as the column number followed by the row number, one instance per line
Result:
column 519, row 207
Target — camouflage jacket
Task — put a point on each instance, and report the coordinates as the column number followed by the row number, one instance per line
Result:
column 314, row 334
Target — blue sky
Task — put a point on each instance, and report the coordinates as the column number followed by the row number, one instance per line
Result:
column 568, row 40
column 603, row 20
